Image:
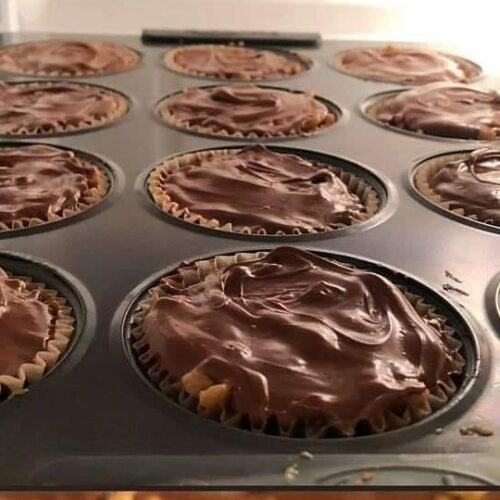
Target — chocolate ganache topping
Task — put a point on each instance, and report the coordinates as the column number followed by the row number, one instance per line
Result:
column 473, row 184
column 226, row 61
column 67, row 58
column 445, row 110
column 42, row 107
column 406, row 65
column 246, row 109
column 299, row 336
column 25, row 324
column 42, row 182
column 256, row 188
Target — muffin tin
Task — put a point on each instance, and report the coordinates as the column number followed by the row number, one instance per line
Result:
column 94, row 422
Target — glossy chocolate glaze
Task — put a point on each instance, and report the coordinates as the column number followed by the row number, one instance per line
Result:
column 301, row 337
column 44, row 106
column 41, row 182
column 406, row 65
column 25, row 324
column 256, row 188
column 67, row 57
column 445, row 110
column 472, row 183
column 226, row 61
column 246, row 109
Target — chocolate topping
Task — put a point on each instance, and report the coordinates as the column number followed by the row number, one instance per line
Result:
column 406, row 65
column 473, row 184
column 42, row 182
column 246, row 109
column 445, row 110
column 67, row 58
column 47, row 107
column 225, row 61
column 300, row 337
column 25, row 324
column 256, row 188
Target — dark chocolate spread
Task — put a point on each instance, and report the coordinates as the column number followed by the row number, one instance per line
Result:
column 246, row 109
column 243, row 63
column 473, row 184
column 300, row 337
column 41, row 182
column 25, row 324
column 406, row 65
column 443, row 109
column 257, row 188
column 40, row 107
column 67, row 57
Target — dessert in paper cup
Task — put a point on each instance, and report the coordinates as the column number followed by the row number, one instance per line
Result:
column 255, row 190
column 290, row 343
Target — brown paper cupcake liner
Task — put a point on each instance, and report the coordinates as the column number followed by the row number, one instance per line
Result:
column 306, row 130
column 62, row 128
column 366, row 193
column 63, row 323
column 428, row 169
column 90, row 198
column 170, row 63
column 208, row 399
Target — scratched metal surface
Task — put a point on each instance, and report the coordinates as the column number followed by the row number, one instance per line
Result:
column 93, row 422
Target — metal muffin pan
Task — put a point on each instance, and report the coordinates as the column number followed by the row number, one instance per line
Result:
column 94, row 423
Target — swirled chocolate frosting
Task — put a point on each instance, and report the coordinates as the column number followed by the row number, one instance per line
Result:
column 47, row 107
column 445, row 110
column 67, row 58
column 473, row 184
column 246, row 109
column 300, row 337
column 42, row 182
column 406, row 65
column 226, row 61
column 255, row 188
column 25, row 324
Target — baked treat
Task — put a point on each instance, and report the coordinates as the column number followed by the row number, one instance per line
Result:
column 40, row 108
column 291, row 343
column 234, row 62
column 442, row 109
column 245, row 111
column 67, row 58
column 40, row 183
column 36, row 325
column 466, row 183
column 258, row 191
column 407, row 65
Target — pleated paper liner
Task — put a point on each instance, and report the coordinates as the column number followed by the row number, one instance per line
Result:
column 427, row 170
column 61, row 127
column 199, row 394
column 134, row 60
column 62, row 322
column 88, row 199
column 170, row 63
column 366, row 193
column 337, row 63
column 307, row 128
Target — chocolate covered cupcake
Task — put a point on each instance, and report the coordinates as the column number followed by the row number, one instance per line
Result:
column 245, row 111
column 67, row 58
column 291, row 343
column 443, row 110
column 234, row 62
column 48, row 108
column 36, row 325
column 407, row 65
column 40, row 184
column 467, row 183
column 258, row 191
